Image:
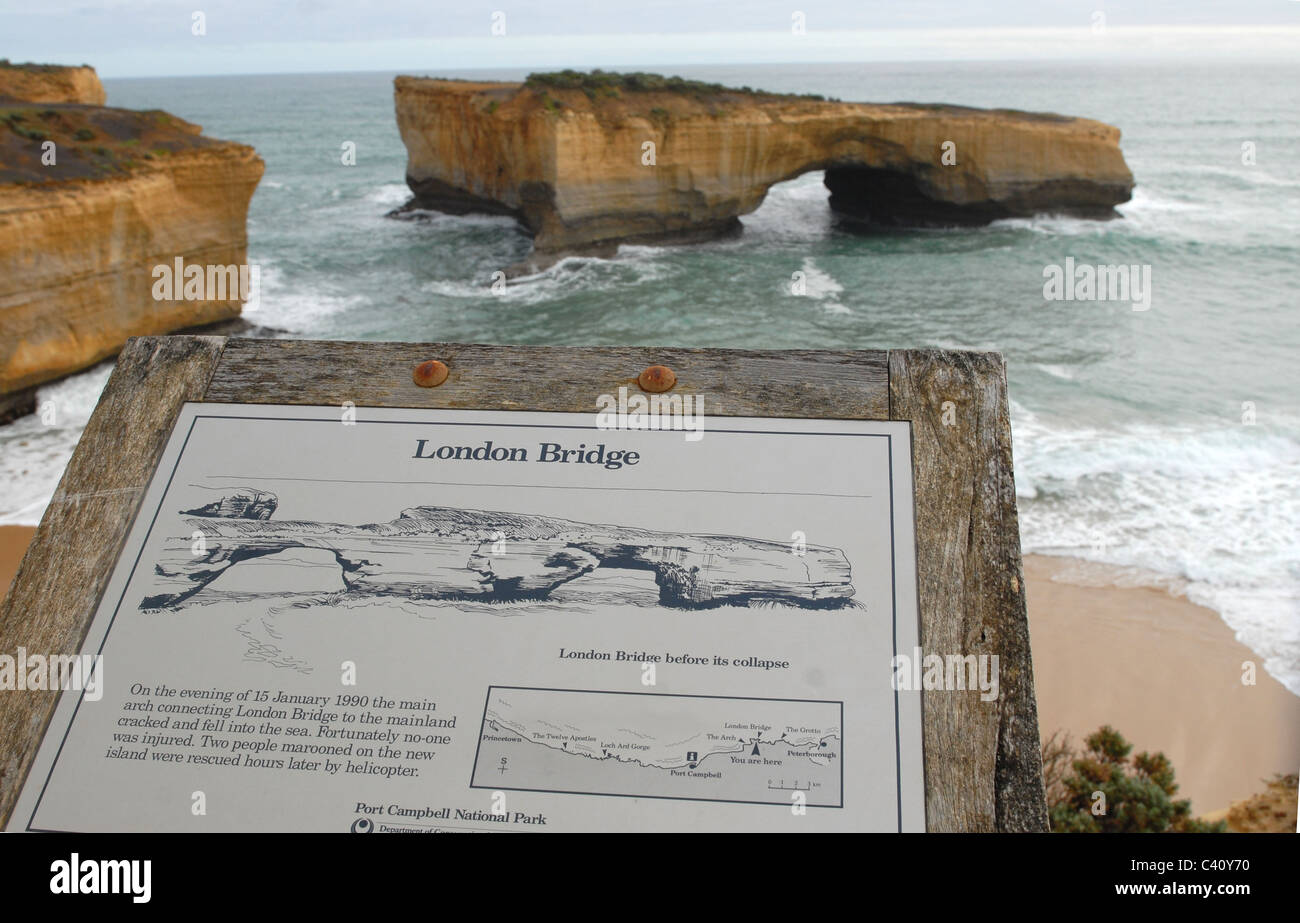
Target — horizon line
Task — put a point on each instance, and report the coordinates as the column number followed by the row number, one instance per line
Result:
column 453, row 73
column 1110, row 44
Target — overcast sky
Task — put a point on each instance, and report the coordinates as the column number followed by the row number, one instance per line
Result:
column 156, row 37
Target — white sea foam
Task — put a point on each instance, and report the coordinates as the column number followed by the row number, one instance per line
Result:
column 1144, row 213
column 34, row 452
column 1054, row 225
column 1149, row 215
column 1167, row 218
column 295, row 307
column 1144, row 201
column 631, row 266
column 1214, row 505
column 441, row 220
column 390, row 195
column 822, row 287
column 793, row 211
column 1063, row 372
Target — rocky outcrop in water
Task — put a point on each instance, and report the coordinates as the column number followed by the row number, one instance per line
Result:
column 586, row 162
column 95, row 200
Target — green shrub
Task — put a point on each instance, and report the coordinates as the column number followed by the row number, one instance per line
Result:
column 1136, row 794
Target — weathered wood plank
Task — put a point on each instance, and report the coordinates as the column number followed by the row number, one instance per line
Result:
column 61, row 579
column 982, row 761
column 842, row 384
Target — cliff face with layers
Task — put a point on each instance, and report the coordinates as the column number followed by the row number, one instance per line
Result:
column 50, row 83
column 586, row 169
column 81, row 237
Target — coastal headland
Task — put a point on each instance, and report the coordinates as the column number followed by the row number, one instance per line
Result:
column 96, row 199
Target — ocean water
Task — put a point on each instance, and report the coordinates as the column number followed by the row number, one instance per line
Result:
column 1132, row 445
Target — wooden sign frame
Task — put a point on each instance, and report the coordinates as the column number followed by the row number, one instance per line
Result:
column 983, row 768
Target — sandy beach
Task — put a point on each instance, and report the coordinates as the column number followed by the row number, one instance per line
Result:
column 1164, row 672
column 13, row 545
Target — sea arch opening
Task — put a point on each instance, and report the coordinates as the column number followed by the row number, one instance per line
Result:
column 859, row 196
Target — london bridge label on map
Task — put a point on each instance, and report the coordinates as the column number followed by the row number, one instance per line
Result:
column 311, row 629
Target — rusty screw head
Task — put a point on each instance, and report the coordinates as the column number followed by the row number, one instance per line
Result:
column 656, row 379
column 430, row 374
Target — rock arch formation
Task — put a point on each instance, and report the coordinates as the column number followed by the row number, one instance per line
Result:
column 585, row 171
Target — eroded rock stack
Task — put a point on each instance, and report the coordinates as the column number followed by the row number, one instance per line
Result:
column 587, row 161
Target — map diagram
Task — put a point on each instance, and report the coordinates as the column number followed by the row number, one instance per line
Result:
column 654, row 745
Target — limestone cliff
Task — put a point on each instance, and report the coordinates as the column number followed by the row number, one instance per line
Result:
column 50, row 83
column 85, row 222
column 586, row 164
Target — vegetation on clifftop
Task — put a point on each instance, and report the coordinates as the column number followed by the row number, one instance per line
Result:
column 43, row 143
column 34, row 68
column 598, row 83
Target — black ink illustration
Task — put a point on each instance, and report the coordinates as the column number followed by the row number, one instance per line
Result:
column 239, row 504
column 436, row 553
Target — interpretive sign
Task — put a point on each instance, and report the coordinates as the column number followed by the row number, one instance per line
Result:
column 337, row 586
column 468, row 620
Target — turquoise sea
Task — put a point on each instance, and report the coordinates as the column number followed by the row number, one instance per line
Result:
column 1131, row 445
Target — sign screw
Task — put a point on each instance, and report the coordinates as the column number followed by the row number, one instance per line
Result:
column 430, row 374
column 656, row 379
